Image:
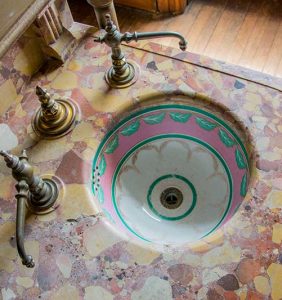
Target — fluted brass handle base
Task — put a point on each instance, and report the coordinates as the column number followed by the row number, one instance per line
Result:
column 46, row 204
column 61, row 125
column 120, row 81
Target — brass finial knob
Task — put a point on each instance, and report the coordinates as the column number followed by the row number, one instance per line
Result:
column 110, row 26
column 55, row 117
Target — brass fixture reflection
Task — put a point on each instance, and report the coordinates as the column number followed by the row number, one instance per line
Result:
column 55, row 117
column 102, row 7
column 38, row 194
column 122, row 73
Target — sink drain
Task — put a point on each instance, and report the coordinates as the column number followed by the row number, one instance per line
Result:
column 171, row 198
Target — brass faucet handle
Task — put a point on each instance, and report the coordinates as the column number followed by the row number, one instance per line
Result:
column 11, row 160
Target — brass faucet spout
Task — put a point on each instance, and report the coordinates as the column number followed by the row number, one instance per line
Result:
column 37, row 193
column 137, row 36
column 122, row 73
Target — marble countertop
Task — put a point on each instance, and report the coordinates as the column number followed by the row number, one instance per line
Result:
column 77, row 254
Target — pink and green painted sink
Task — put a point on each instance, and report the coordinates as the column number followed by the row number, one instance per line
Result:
column 171, row 173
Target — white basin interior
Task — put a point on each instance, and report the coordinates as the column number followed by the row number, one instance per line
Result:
column 171, row 174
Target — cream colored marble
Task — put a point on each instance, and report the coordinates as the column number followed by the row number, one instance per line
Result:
column 6, row 265
column 262, row 143
column 253, row 100
column 7, row 294
column 47, row 150
column 74, row 65
column 141, row 255
column 260, row 121
column 242, row 293
column 221, row 255
column 262, row 285
column 65, row 292
column 211, row 275
column 26, row 282
column 186, row 88
column 277, row 234
column 202, row 293
column 274, row 199
column 66, row 78
column 275, row 271
column 191, row 260
column 8, row 140
column 20, row 290
column 20, row 113
column 102, row 102
column 97, row 292
column 70, row 206
column 261, row 228
column 6, row 250
column 30, row 59
column 270, row 156
column 48, row 217
column 64, row 263
column 157, row 78
column 216, row 238
column 9, row 90
column 103, row 238
column 82, row 132
column 6, row 185
column 153, row 289
column 165, row 65
column 32, row 248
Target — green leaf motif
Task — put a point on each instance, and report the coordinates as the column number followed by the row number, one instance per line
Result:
column 239, row 159
column 102, row 166
column 113, row 144
column 108, row 215
column 179, row 117
column 100, row 195
column 154, row 119
column 225, row 138
column 243, row 189
column 205, row 124
column 132, row 128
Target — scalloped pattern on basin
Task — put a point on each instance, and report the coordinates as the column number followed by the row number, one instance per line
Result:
column 170, row 146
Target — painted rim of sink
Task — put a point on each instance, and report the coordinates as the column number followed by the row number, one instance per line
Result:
column 144, row 188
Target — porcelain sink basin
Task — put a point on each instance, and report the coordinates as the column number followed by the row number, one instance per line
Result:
column 172, row 172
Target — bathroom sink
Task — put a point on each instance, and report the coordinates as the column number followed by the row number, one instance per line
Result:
column 172, row 172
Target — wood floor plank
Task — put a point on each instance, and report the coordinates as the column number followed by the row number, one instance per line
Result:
column 249, row 54
column 272, row 62
column 227, row 28
column 278, row 71
column 204, row 25
column 237, row 15
column 246, row 29
column 266, row 37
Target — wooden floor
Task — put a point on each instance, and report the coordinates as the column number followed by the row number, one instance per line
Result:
column 242, row 32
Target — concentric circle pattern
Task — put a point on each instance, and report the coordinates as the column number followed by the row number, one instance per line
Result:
column 186, row 154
